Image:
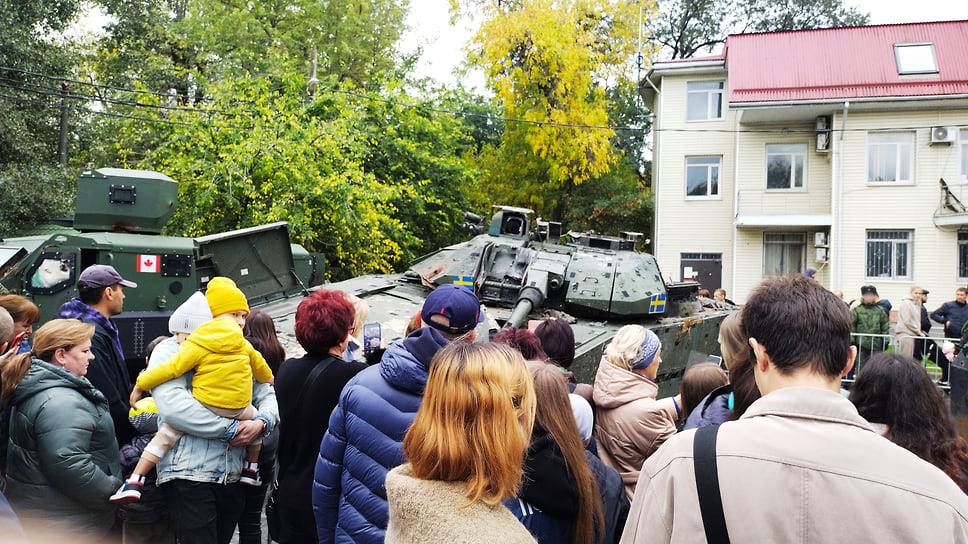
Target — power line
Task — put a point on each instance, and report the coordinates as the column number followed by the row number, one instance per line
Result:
column 459, row 113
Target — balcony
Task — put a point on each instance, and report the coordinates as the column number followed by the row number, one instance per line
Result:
column 952, row 213
column 763, row 208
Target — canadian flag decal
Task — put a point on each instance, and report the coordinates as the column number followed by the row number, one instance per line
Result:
column 148, row 263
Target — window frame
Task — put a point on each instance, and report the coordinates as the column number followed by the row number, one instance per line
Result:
column 803, row 176
column 804, row 256
column 897, row 58
column 913, row 157
column 719, row 177
column 909, row 241
column 962, row 155
column 722, row 99
column 962, row 265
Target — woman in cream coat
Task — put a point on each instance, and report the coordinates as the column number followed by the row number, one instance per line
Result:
column 630, row 423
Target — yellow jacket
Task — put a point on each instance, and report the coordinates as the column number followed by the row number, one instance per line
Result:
column 224, row 362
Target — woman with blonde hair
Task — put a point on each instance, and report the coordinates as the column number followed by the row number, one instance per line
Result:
column 908, row 327
column 63, row 461
column 465, row 450
column 630, row 423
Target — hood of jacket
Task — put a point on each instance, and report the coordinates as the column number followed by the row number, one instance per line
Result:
column 222, row 335
column 616, row 386
column 405, row 364
column 42, row 376
column 549, row 484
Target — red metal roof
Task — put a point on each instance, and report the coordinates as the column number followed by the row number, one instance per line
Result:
column 842, row 63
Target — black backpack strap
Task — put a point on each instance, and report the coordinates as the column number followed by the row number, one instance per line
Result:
column 318, row 369
column 707, row 482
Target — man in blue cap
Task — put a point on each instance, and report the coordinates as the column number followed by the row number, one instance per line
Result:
column 375, row 410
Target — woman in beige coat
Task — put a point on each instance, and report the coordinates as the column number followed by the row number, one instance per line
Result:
column 630, row 423
column 909, row 322
column 465, row 450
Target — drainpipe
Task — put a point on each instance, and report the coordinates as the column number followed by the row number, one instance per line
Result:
column 739, row 120
column 837, row 202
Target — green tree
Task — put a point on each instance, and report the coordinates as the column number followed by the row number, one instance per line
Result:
column 549, row 64
column 687, row 27
column 32, row 186
column 183, row 45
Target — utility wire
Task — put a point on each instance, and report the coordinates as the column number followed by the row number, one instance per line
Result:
column 459, row 113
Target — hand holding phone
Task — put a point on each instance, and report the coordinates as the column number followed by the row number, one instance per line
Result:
column 15, row 343
column 372, row 338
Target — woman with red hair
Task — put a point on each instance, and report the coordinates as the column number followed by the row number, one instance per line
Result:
column 307, row 390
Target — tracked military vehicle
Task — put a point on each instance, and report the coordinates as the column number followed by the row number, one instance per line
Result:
column 118, row 218
column 523, row 269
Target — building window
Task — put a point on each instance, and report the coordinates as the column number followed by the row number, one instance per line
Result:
column 702, row 176
column 963, row 256
column 915, row 58
column 784, row 253
column 963, row 146
column 890, row 157
column 889, row 254
column 704, row 100
column 785, row 165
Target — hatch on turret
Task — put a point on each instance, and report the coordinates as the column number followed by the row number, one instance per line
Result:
column 119, row 200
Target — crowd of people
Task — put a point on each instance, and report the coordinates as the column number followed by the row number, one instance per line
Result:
column 447, row 437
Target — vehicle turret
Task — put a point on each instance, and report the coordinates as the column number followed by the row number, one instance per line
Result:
column 521, row 264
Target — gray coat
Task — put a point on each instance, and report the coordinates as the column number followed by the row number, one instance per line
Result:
column 62, row 461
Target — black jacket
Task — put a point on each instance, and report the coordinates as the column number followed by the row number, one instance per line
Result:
column 152, row 508
column 109, row 374
column 953, row 312
column 301, row 428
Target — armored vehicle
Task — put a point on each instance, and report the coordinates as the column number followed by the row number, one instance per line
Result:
column 522, row 269
column 118, row 220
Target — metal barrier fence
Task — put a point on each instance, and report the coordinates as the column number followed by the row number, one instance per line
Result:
column 927, row 350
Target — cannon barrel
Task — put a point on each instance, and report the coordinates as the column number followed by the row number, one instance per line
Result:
column 530, row 297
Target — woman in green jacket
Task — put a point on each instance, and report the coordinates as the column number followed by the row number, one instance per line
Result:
column 62, row 460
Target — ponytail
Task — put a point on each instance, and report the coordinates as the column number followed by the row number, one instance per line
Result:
column 12, row 371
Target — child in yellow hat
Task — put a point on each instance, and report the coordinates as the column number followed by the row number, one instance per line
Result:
column 224, row 363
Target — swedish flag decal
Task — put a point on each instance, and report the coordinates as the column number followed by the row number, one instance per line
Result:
column 657, row 304
column 466, row 281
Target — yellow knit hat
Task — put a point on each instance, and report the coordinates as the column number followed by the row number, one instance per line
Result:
column 224, row 297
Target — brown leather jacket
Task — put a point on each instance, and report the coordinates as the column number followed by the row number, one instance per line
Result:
column 800, row 466
column 629, row 423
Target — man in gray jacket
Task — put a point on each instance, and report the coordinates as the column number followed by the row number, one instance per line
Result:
column 800, row 465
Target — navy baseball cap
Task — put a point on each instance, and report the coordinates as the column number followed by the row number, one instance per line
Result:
column 455, row 302
column 102, row 275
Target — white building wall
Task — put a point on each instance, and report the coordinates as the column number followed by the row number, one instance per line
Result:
column 689, row 225
column 707, row 226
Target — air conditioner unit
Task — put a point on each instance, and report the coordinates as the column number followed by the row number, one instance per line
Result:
column 822, row 126
column 943, row 135
column 820, row 239
column 820, row 255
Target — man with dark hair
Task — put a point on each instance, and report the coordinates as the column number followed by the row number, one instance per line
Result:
column 100, row 297
column 953, row 314
column 795, row 466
